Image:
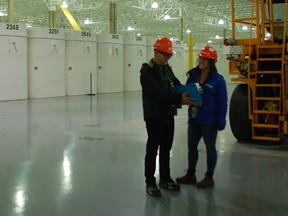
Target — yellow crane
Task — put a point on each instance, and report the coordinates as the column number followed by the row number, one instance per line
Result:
column 259, row 104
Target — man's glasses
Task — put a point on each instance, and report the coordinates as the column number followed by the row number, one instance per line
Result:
column 165, row 54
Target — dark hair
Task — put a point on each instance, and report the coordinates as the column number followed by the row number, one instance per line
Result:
column 212, row 65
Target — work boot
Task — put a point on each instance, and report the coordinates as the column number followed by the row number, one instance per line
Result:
column 169, row 185
column 206, row 182
column 153, row 190
column 188, row 178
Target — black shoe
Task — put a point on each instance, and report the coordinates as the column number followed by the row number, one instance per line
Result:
column 153, row 190
column 169, row 185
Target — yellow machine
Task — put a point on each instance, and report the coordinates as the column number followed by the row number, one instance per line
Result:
column 259, row 104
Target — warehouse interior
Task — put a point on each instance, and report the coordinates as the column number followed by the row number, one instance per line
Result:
column 71, row 119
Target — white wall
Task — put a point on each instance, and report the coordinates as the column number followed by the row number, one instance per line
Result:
column 110, row 77
column 60, row 63
column 46, row 62
column 13, row 59
column 81, row 63
column 177, row 61
column 134, row 56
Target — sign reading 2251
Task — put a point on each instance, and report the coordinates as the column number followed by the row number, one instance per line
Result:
column 53, row 31
column 12, row 27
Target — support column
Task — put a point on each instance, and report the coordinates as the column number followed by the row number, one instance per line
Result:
column 181, row 30
column 52, row 19
column 112, row 18
column 10, row 11
column 52, row 14
column 190, row 49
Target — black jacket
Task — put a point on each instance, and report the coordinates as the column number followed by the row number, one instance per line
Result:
column 157, row 83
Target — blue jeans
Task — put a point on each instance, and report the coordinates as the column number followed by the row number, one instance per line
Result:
column 209, row 134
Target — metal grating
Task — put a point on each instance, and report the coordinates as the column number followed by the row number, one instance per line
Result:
column 200, row 16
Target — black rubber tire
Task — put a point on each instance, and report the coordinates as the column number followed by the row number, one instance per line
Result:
column 238, row 114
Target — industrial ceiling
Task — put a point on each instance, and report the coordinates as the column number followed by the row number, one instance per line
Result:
column 201, row 17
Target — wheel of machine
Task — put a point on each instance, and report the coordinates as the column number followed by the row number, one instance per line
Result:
column 238, row 114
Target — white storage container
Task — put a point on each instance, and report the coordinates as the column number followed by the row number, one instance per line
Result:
column 134, row 57
column 13, row 55
column 81, row 63
column 110, row 63
column 177, row 61
column 149, row 45
column 46, row 62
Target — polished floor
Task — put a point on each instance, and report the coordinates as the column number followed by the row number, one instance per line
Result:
column 83, row 156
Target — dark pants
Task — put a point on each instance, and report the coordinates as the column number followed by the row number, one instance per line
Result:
column 209, row 134
column 160, row 135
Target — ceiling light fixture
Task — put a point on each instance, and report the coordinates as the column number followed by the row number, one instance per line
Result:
column 3, row 14
column 87, row 21
column 167, row 17
column 130, row 28
column 64, row 4
column 154, row 5
column 221, row 22
column 244, row 28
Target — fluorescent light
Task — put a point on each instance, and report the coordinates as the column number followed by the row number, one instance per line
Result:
column 167, row 17
column 3, row 14
column 87, row 21
column 64, row 4
column 154, row 5
column 221, row 22
column 244, row 28
column 130, row 28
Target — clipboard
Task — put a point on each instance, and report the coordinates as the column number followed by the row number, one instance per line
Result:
column 192, row 90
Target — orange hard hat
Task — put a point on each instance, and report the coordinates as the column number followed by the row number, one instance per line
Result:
column 164, row 44
column 208, row 52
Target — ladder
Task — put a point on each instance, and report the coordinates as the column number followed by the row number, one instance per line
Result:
column 269, row 72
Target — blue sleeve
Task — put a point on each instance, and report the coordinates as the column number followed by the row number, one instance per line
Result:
column 222, row 103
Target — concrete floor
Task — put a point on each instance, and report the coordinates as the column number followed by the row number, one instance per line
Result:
column 83, row 156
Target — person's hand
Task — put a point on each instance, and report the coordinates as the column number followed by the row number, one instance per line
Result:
column 189, row 101
column 186, row 100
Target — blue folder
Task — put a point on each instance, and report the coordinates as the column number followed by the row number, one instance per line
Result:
column 192, row 90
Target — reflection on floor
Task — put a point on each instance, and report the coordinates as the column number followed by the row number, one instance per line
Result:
column 83, row 155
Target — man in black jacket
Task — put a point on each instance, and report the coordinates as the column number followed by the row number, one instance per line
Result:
column 160, row 105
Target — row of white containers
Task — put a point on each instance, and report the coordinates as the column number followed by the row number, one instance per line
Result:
column 43, row 62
